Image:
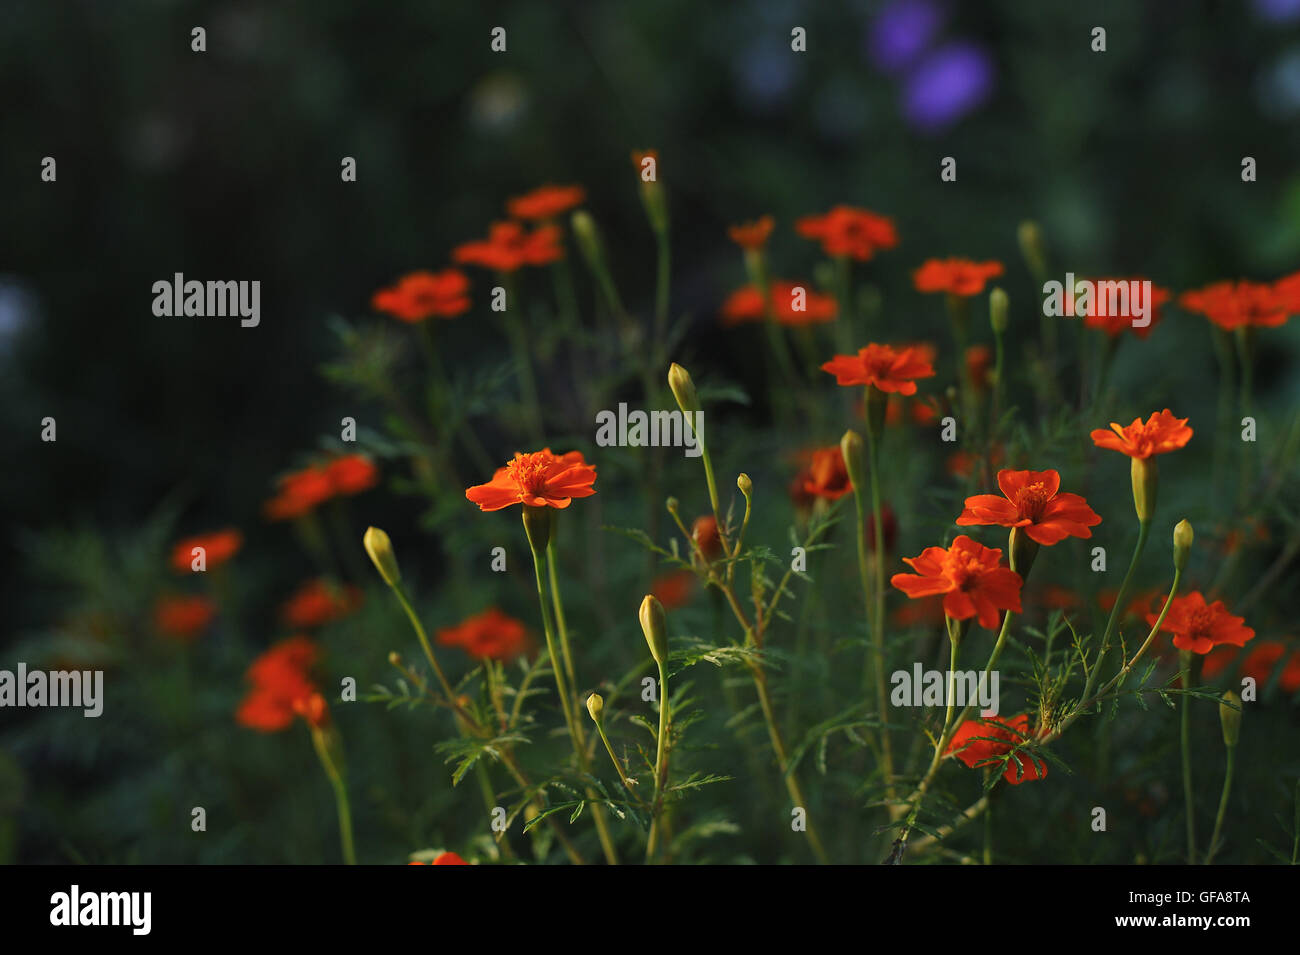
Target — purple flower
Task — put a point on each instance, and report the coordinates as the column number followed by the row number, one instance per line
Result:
column 902, row 31
column 1277, row 11
column 947, row 85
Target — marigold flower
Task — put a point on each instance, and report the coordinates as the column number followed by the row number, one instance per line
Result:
column 537, row 479
column 971, row 577
column 546, row 202
column 979, row 364
column 705, row 534
column 977, row 753
column 1056, row 597
column 848, row 231
column 490, row 635
column 313, row 709
column 1287, row 290
column 955, row 276
column 962, row 463
column 352, row 474
column 746, row 304
column 449, row 858
column 299, row 493
column 509, row 247
column 1161, row 433
column 423, row 294
column 280, row 680
column 317, row 603
column 1263, row 659
column 1032, row 500
column 1099, row 316
column 1200, row 627
column 882, row 367
column 673, row 589
column 826, row 475
column 183, row 617
column 218, row 547
column 1232, row 305
column 752, row 235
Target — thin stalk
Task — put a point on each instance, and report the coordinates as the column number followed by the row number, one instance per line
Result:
column 340, row 795
column 559, row 613
column 1144, row 528
column 1185, row 738
column 661, row 764
column 1223, row 805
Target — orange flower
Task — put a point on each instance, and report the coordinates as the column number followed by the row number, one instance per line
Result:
column 299, row 493
column 352, row 474
column 219, row 547
column 847, row 231
column 826, row 476
column 1201, row 627
column 546, row 202
column 313, row 709
column 746, row 305
column 447, row 858
column 983, row 742
column 1261, row 662
column 1287, row 290
column 509, row 247
column 705, row 534
column 881, row 366
column 979, row 362
column 1161, row 433
column 961, row 463
column 1233, row 305
column 317, row 603
column 183, row 617
column 419, row 295
column 535, row 480
column 673, row 589
column 280, row 685
column 1098, row 316
column 490, row 635
column 955, row 276
column 1056, row 597
column 752, row 235
column 971, row 577
column 1032, row 500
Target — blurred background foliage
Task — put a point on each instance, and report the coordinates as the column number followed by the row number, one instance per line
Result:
column 225, row 165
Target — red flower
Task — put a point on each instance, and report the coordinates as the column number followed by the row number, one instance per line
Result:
column 882, row 367
column 979, row 363
column 313, row 709
column 971, row 577
column 317, row 603
column 826, row 476
column 546, row 202
column 1201, row 627
column 1032, row 500
column 299, row 492
column 1262, row 660
column 489, row 635
column 218, row 547
column 673, row 589
column 419, row 295
column 447, row 858
column 846, row 231
column 1233, row 305
column 281, row 685
column 183, row 617
column 752, row 235
column 988, row 751
column 955, row 276
column 961, row 463
column 705, row 534
column 1161, row 433
column 535, row 480
column 509, row 247
column 352, row 474
column 747, row 305
column 1098, row 314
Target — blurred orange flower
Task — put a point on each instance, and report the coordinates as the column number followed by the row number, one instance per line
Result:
column 1232, row 305
column 673, row 589
column 746, row 305
column 447, row 858
column 489, row 635
column 1098, row 316
column 183, row 617
column 1200, row 627
column 705, row 534
column 299, row 492
column 848, row 231
column 509, row 247
column 999, row 737
column 955, row 276
column 882, row 367
column 970, row 576
column 1161, row 433
column 979, row 364
column 420, row 295
column 546, row 202
column 280, row 681
column 826, row 476
column 1032, row 500
column 317, row 603
column 752, row 235
column 351, row 474
column 537, row 479
column 218, row 547
column 313, row 709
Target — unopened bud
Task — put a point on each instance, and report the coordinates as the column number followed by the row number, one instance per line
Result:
column 1146, row 481
column 595, row 706
column 1033, row 248
column 394, row 658
column 1183, row 538
column 654, row 624
column 679, row 380
column 999, row 305
column 380, row 549
column 1230, row 718
column 851, row 450
column 537, row 525
column 744, row 484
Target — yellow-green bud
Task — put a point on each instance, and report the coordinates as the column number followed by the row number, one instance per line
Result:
column 394, row 658
column 584, row 230
column 744, row 484
column 1146, row 480
column 1230, row 718
column 1183, row 538
column 673, row 505
column 851, row 449
column 654, row 624
column 537, row 525
column 380, row 549
column 999, row 305
column 595, row 706
column 679, row 380
column 1032, row 247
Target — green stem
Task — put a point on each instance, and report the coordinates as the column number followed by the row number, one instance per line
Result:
column 1223, row 805
column 661, row 765
column 559, row 614
column 1185, row 735
column 340, row 795
column 1144, row 528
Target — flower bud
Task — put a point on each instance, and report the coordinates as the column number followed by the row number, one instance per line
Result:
column 999, row 304
column 672, row 505
column 654, row 624
column 744, row 484
column 679, row 380
column 584, row 230
column 595, row 706
column 380, row 549
column 851, row 450
column 1033, row 248
column 1230, row 719
column 1146, row 480
column 1021, row 551
column 1183, row 537
column 705, row 534
column 394, row 658
column 537, row 525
